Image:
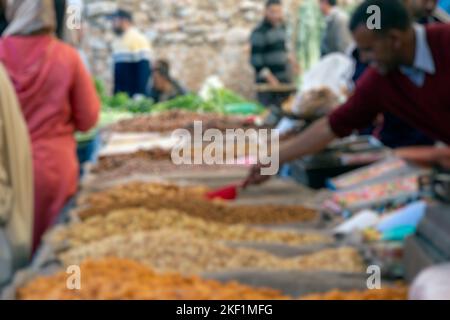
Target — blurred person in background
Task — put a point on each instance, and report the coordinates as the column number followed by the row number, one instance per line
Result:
column 337, row 36
column 423, row 11
column 3, row 23
column 57, row 98
column 60, row 12
column 269, row 54
column 164, row 87
column 16, row 183
column 131, row 55
column 75, row 35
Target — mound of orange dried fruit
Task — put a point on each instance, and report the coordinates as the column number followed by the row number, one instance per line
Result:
column 119, row 279
column 388, row 293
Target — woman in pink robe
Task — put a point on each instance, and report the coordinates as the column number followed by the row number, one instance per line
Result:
column 57, row 97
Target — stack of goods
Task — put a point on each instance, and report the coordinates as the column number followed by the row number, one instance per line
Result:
column 128, row 221
column 192, row 202
column 390, row 293
column 384, row 169
column 116, row 279
column 316, row 103
column 375, row 196
column 170, row 250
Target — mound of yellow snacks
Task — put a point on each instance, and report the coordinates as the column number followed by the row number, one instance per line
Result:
column 181, row 251
column 133, row 220
column 191, row 201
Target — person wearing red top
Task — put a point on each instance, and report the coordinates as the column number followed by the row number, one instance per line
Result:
column 409, row 77
column 57, row 97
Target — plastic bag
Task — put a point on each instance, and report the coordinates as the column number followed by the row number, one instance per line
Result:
column 432, row 284
column 328, row 79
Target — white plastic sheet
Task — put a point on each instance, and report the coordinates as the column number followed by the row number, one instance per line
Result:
column 334, row 72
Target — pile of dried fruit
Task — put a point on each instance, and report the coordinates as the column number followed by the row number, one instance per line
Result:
column 137, row 192
column 192, row 202
column 111, row 162
column 181, row 251
column 128, row 221
column 116, row 279
column 152, row 167
column 178, row 119
column 115, row 161
column 392, row 293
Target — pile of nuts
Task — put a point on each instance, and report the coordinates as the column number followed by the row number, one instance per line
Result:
column 116, row 161
column 111, row 162
column 135, row 193
column 389, row 293
column 117, row 279
column 192, row 202
column 179, row 119
column 181, row 251
column 127, row 221
column 153, row 167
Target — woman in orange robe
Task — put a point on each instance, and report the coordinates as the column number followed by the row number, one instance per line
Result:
column 57, row 97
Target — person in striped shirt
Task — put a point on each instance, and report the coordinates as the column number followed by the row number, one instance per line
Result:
column 131, row 55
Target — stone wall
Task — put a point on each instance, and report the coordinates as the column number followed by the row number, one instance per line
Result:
column 199, row 37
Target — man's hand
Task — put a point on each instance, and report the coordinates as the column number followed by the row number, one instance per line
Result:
column 272, row 80
column 426, row 156
column 294, row 64
column 270, row 77
column 255, row 177
column 312, row 140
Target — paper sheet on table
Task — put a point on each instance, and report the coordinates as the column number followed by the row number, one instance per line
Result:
column 411, row 215
column 130, row 143
column 363, row 220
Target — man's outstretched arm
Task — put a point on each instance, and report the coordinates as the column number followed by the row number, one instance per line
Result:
column 313, row 140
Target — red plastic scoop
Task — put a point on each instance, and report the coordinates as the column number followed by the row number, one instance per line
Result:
column 226, row 193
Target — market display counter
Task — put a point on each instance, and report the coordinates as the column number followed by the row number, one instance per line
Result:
column 137, row 210
column 431, row 244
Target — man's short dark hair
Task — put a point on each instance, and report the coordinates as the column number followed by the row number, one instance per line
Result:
column 273, row 3
column 332, row 3
column 394, row 15
column 123, row 14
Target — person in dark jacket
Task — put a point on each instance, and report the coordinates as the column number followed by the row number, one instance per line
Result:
column 3, row 22
column 423, row 11
column 269, row 53
column 337, row 36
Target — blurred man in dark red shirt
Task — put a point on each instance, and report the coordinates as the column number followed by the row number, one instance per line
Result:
column 409, row 77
